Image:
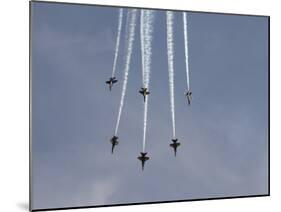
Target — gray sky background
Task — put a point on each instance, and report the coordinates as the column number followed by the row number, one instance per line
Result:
column 223, row 133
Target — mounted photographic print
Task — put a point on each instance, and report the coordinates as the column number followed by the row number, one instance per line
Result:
column 138, row 105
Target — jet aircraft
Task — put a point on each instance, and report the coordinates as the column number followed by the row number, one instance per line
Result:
column 114, row 142
column 189, row 97
column 144, row 92
column 175, row 145
column 111, row 81
column 143, row 158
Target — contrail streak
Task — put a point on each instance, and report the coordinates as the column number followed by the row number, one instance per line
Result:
column 184, row 15
column 170, row 52
column 147, row 44
column 129, row 48
column 120, row 19
column 142, row 24
column 147, row 18
column 144, row 124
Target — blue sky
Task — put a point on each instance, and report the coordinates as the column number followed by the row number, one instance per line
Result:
column 223, row 133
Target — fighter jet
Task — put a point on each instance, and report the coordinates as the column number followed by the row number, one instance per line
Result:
column 144, row 92
column 143, row 158
column 111, row 81
column 175, row 145
column 189, row 97
column 114, row 142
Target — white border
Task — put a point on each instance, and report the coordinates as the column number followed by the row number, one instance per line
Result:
column 14, row 105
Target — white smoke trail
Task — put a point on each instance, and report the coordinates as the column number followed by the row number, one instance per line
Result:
column 144, row 124
column 147, row 44
column 184, row 16
column 142, row 24
column 127, row 27
column 147, row 18
column 129, row 49
column 170, row 52
column 120, row 20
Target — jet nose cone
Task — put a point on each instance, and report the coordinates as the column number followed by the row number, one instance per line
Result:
column 112, row 148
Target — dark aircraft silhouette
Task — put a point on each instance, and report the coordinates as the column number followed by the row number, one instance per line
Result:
column 144, row 92
column 189, row 97
column 111, row 81
column 114, row 142
column 175, row 145
column 143, row 158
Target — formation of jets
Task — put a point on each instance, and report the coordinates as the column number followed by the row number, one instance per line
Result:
column 144, row 92
column 111, row 81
